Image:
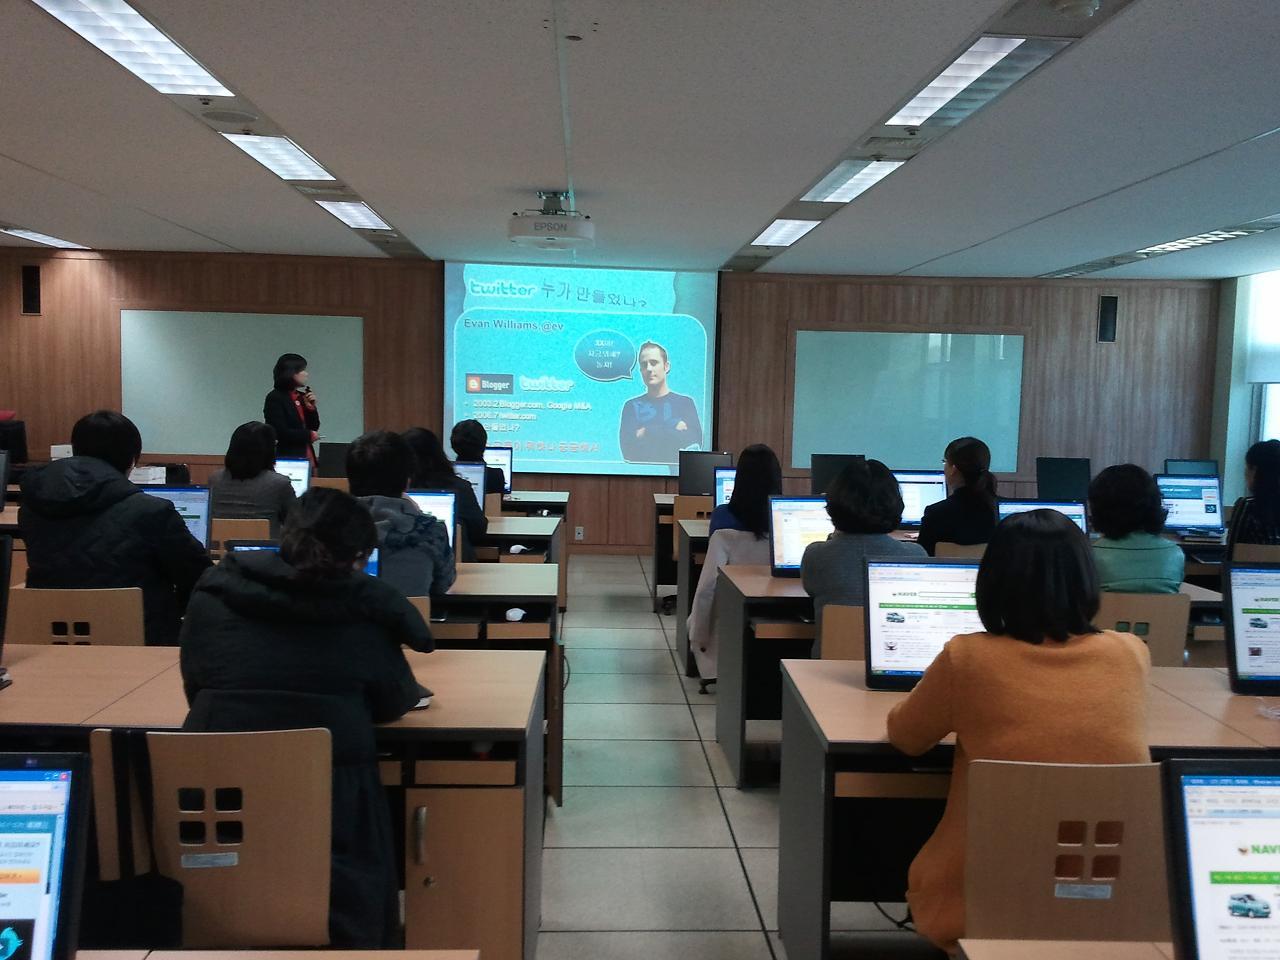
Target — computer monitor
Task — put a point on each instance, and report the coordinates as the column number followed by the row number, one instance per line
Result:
column 724, row 484
column 1192, row 468
column 473, row 473
column 150, row 475
column 1221, row 821
column 794, row 523
column 1074, row 510
column 1194, row 503
column 825, row 467
column 192, row 504
column 500, row 457
column 44, row 815
column 372, row 565
column 1062, row 478
column 298, row 472
column 4, row 475
column 698, row 472
column 441, row 504
column 251, row 546
column 13, row 440
column 1251, row 602
column 913, row 608
column 920, row 488
column 331, row 461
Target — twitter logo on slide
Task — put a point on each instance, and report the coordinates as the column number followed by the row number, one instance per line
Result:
column 10, row 943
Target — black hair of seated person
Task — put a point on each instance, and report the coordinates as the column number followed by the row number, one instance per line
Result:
column 108, row 436
column 757, row 477
column 379, row 464
column 1037, row 580
column 252, row 450
column 326, row 534
column 1125, row 499
column 468, row 439
column 865, row 498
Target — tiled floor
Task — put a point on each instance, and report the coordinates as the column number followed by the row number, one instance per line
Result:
column 654, row 856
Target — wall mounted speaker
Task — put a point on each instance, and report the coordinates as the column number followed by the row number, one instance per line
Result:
column 1107, row 309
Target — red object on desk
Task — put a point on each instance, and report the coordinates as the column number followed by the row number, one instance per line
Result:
column 8, row 414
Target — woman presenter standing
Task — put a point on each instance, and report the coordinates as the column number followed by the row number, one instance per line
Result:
column 291, row 409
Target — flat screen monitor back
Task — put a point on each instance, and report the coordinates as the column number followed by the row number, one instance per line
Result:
column 332, row 460
column 1192, row 468
column 1062, row 478
column 825, row 467
column 698, row 472
column 13, row 437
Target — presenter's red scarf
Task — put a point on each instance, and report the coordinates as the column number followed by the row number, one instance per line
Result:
column 302, row 415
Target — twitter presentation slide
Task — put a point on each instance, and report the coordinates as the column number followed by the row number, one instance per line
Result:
column 579, row 369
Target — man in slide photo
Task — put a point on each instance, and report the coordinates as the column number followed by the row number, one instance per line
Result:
column 657, row 425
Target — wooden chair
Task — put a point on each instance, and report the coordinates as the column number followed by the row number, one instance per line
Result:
column 1159, row 619
column 423, row 606
column 688, row 508
column 76, row 617
column 1255, row 553
column 222, row 529
column 332, row 483
column 843, row 633
column 962, row 551
column 493, row 505
column 1065, row 852
column 242, row 820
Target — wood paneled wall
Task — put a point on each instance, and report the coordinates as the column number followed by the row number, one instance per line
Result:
column 1142, row 399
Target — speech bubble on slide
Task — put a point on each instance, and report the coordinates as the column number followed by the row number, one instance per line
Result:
column 605, row 355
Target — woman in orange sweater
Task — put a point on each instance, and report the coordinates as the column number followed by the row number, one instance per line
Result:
column 1042, row 684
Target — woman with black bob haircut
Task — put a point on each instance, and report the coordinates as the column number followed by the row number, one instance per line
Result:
column 1256, row 518
column 758, row 477
column 865, row 506
column 1040, row 685
column 290, row 409
column 432, row 470
column 248, row 487
column 1131, row 556
column 968, row 514
column 303, row 639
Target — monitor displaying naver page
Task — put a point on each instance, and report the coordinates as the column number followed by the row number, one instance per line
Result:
column 582, row 370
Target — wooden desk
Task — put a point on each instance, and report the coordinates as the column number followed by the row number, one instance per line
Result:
column 485, row 828
column 1209, row 691
column 555, row 502
column 474, row 617
column 834, row 727
column 1063, row 950
column 750, row 686
column 545, row 535
column 12, row 493
column 9, row 519
column 664, row 568
column 278, row 955
column 692, row 551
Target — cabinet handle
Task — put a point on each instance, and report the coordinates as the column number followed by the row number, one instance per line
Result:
column 420, row 835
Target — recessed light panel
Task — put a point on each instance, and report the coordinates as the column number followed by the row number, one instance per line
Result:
column 849, row 179
column 1234, row 232
column 355, row 214
column 44, row 238
column 130, row 40
column 783, row 233
column 281, row 156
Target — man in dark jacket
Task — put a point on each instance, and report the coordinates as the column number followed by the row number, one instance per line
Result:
column 86, row 526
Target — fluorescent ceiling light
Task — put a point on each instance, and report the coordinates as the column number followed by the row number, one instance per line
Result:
column 355, row 213
column 1199, row 240
column 783, row 233
column 44, row 238
column 849, row 179
column 281, row 156
column 130, row 40
column 968, row 67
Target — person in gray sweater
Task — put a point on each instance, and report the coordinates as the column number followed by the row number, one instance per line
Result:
column 865, row 506
column 248, row 488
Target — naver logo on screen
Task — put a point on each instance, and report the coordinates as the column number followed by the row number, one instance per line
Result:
column 502, row 288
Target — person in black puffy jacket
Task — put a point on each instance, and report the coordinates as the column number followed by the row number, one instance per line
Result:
column 86, row 526
column 302, row 639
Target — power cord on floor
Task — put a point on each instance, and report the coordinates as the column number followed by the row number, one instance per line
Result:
column 568, row 672
column 904, row 924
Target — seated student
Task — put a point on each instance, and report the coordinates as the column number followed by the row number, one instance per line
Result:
column 1256, row 518
column 413, row 548
column 468, row 439
column 248, row 488
column 86, row 526
column 758, row 477
column 865, row 505
column 739, row 535
column 1131, row 556
column 1042, row 684
column 303, row 639
column 968, row 514
column 433, row 471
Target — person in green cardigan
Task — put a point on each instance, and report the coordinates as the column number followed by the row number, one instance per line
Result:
column 1131, row 556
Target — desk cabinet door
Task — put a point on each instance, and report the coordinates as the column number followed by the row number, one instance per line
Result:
column 464, row 871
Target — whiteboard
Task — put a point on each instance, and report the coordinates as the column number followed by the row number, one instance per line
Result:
column 902, row 397
column 189, row 379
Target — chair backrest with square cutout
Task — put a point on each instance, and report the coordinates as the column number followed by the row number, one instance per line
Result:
column 1255, row 553
column 76, row 617
column 242, row 820
column 1158, row 619
column 843, row 634
column 960, row 551
column 222, row 529
column 333, row 483
column 1065, row 852
column 423, row 606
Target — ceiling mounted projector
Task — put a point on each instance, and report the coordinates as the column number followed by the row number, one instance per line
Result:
column 552, row 227
column 1082, row 9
